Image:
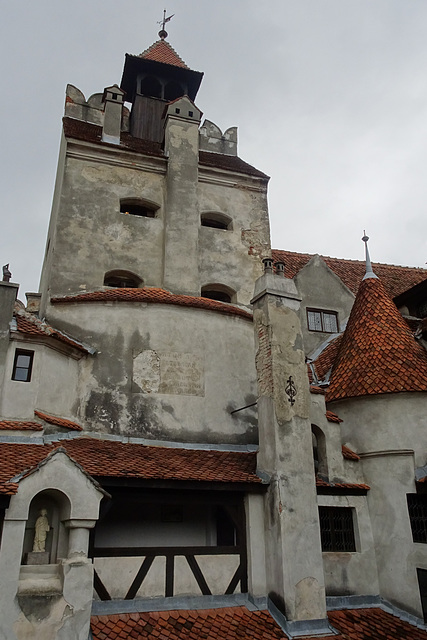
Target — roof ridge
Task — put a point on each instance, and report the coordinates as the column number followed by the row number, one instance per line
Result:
column 352, row 260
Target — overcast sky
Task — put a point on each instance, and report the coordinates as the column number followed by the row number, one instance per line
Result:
column 330, row 98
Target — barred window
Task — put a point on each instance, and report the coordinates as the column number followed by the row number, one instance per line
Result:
column 324, row 321
column 417, row 508
column 336, row 529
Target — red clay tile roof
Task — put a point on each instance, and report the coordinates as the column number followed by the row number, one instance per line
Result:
column 161, row 51
column 238, row 623
column 20, row 425
column 317, row 390
column 231, row 623
column 29, row 325
column 59, row 422
column 340, row 485
column 378, row 353
column 348, row 454
column 158, row 296
column 396, row 279
column 109, row 458
column 326, row 358
column 332, row 417
column 229, row 163
column 92, row 133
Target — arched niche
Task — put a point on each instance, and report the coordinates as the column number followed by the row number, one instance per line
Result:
column 216, row 220
column 173, row 90
column 150, row 86
column 220, row 292
column 56, row 508
column 319, row 451
column 120, row 279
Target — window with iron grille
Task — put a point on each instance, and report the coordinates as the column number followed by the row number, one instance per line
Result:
column 336, row 529
column 417, row 508
column 324, row 321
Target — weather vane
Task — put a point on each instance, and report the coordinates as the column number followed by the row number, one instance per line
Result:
column 162, row 33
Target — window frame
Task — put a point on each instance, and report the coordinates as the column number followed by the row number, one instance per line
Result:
column 337, row 539
column 29, row 369
column 322, row 313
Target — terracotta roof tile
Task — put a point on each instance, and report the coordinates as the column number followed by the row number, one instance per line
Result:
column 348, row 454
column 317, row 390
column 332, row 417
column 326, row 358
column 109, row 458
column 378, row 353
column 20, row 425
column 341, row 485
column 233, row 623
column 396, row 279
column 59, row 422
column 29, row 325
column 154, row 295
column 161, row 51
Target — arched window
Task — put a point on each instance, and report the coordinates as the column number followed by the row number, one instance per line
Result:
column 319, row 451
column 120, row 279
column 218, row 292
column 216, row 220
column 134, row 207
column 150, row 86
column 173, row 90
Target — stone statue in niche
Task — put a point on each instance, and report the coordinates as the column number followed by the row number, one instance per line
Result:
column 42, row 528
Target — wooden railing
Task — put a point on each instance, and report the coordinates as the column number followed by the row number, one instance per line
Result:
column 148, row 554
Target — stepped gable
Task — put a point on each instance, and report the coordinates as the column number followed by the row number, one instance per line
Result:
column 113, row 459
column 396, row 279
column 378, row 353
column 154, row 295
column 162, row 51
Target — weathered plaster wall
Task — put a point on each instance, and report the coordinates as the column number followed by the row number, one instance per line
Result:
column 352, row 573
column 320, row 288
column 163, row 371
column 52, row 387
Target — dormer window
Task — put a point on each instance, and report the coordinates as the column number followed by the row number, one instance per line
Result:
column 138, row 208
column 218, row 292
column 119, row 279
column 216, row 220
column 323, row 321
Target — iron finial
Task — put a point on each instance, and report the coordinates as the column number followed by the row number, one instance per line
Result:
column 368, row 273
column 163, row 33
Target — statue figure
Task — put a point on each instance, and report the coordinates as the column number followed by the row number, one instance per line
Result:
column 42, row 528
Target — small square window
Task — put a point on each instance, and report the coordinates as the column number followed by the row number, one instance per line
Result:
column 190, row 113
column 324, row 321
column 177, row 110
column 22, row 365
column 336, row 529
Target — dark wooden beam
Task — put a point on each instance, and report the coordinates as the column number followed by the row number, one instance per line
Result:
column 139, row 578
column 194, row 566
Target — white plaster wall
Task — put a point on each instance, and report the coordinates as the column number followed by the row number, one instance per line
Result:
column 220, row 345
column 52, row 387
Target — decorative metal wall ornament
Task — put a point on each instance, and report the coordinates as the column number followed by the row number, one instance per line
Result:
column 291, row 390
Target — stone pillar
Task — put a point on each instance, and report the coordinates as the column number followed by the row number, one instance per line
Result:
column 294, row 567
column 78, row 537
column 181, row 254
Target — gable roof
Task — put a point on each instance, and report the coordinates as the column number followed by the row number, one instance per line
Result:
column 154, row 295
column 113, row 459
column 396, row 279
column 235, row 623
column 162, row 51
column 378, row 353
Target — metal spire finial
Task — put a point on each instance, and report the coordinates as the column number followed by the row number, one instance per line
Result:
column 163, row 33
column 369, row 273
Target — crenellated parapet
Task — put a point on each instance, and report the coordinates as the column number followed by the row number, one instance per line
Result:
column 211, row 138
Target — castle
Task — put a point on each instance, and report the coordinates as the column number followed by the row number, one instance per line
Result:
column 201, row 437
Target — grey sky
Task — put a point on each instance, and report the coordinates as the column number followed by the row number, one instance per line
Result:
column 330, row 97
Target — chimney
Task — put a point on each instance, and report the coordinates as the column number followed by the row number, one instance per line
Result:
column 113, row 103
column 33, row 303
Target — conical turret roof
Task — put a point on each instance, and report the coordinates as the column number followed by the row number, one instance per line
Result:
column 378, row 352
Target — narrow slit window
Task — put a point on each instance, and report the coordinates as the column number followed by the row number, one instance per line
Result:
column 22, row 365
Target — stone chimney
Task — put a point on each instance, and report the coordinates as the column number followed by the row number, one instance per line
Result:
column 33, row 303
column 113, row 103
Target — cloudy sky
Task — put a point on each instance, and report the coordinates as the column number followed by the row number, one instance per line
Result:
column 330, row 97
